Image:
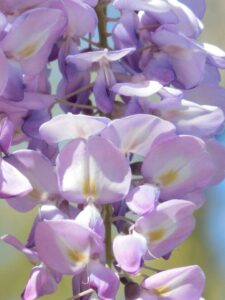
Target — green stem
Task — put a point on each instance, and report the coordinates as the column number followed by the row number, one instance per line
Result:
column 108, row 235
column 78, row 105
column 64, row 100
column 78, row 91
column 101, row 11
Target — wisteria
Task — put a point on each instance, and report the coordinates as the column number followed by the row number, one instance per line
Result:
column 117, row 161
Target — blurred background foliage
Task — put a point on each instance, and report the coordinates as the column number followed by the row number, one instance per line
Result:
column 206, row 247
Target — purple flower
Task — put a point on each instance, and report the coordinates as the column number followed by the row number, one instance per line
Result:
column 6, row 133
column 69, row 127
column 93, row 171
column 190, row 118
column 154, row 235
column 105, row 77
column 186, row 59
column 44, row 188
column 33, row 51
column 183, row 167
column 58, row 247
column 137, row 133
column 185, row 283
column 129, row 252
column 166, row 227
column 42, row 281
column 11, row 177
column 143, row 199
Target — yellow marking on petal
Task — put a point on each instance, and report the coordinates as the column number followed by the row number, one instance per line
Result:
column 177, row 52
column 156, row 235
column 82, row 132
column 27, row 51
column 17, row 132
column 89, row 188
column 77, row 256
column 171, row 114
column 131, row 145
column 38, row 195
column 168, row 177
column 174, row 49
column 162, row 290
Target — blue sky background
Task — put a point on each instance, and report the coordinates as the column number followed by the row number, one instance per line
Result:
column 214, row 220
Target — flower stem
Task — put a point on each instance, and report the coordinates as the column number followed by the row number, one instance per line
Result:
column 101, row 11
column 113, row 19
column 108, row 235
column 64, row 100
column 84, row 293
column 102, row 22
column 78, row 105
column 78, row 91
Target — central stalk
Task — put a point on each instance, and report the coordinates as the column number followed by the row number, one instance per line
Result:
column 108, row 234
column 101, row 10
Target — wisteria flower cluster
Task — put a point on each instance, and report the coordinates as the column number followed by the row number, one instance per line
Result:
column 118, row 175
